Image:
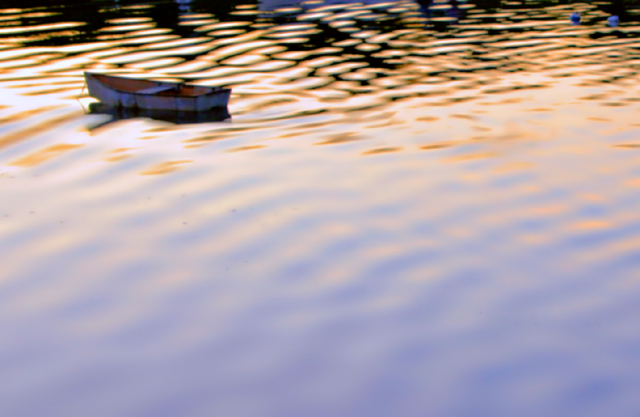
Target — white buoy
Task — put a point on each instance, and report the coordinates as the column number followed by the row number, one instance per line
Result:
column 613, row 21
column 575, row 18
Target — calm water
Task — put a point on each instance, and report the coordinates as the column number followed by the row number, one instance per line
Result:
column 412, row 211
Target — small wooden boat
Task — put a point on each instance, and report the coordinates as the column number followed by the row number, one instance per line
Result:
column 154, row 95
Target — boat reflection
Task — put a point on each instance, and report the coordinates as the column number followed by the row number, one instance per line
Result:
column 219, row 114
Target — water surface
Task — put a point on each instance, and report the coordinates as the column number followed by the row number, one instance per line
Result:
column 413, row 210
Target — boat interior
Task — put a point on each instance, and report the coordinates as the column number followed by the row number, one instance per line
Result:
column 132, row 85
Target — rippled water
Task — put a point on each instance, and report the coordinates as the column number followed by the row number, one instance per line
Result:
column 414, row 210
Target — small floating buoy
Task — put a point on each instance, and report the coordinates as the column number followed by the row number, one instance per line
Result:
column 613, row 21
column 575, row 18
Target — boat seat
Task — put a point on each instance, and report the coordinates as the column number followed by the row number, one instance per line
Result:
column 156, row 89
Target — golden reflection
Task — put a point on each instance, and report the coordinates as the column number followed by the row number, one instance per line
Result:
column 156, row 63
column 503, row 137
column 127, row 28
column 141, row 36
column 197, row 21
column 634, row 183
column 23, row 52
column 117, row 158
column 44, row 36
column 594, row 198
column 226, row 32
column 128, row 20
column 188, row 67
column 295, row 56
column 121, row 150
column 390, row 122
column 292, row 34
column 341, row 138
column 137, row 57
column 44, row 155
column 237, row 46
column 27, row 113
column 49, row 91
column 481, row 128
column 615, row 104
column 238, row 26
column 245, row 60
column 165, row 167
column 628, row 146
column 340, row 68
column 436, row 146
column 463, row 116
column 39, row 28
column 427, row 118
column 553, row 209
column 294, row 40
column 24, row 134
column 514, row 166
column 592, row 225
column 246, row 148
column 382, row 150
column 473, row 157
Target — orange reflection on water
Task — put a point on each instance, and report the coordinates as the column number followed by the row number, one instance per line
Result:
column 382, row 150
column 473, row 157
column 592, row 225
column 341, row 138
column 45, row 154
column 27, row 133
column 246, row 148
column 165, row 167
column 39, row 28
column 119, row 154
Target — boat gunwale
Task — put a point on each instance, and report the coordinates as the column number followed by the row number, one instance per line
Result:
column 213, row 90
